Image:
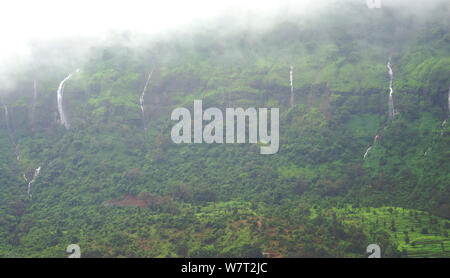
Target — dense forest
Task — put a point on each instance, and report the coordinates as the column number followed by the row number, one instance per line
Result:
column 90, row 160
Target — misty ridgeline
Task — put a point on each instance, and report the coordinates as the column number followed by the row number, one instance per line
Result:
column 87, row 159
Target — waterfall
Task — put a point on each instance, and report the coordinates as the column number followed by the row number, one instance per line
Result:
column 448, row 113
column 141, row 99
column 33, row 106
column 448, row 102
column 292, row 86
column 17, row 151
column 6, row 116
column 36, row 174
column 60, row 94
column 368, row 150
column 391, row 100
column 16, row 148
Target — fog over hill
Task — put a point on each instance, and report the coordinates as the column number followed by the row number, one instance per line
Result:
column 87, row 156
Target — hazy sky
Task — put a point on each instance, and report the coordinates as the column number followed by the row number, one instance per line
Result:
column 22, row 20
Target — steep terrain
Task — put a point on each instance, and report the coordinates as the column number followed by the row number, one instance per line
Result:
column 111, row 180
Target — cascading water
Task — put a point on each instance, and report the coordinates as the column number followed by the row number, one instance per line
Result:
column 36, row 174
column 60, row 94
column 33, row 107
column 6, row 116
column 141, row 99
column 391, row 100
column 368, row 150
column 448, row 111
column 448, row 102
column 17, row 152
column 292, row 86
column 390, row 104
column 16, row 147
column 11, row 137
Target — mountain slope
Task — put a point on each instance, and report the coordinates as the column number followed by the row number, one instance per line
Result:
column 117, row 185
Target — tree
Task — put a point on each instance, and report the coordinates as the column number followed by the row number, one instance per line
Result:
column 249, row 251
column 300, row 186
column 393, row 228
column 205, row 194
column 182, row 192
column 182, row 249
column 404, row 253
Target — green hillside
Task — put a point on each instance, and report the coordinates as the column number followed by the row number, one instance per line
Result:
column 115, row 183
